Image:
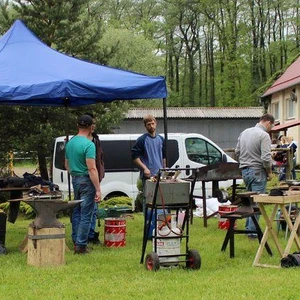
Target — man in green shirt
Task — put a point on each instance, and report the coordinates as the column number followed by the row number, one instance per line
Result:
column 80, row 163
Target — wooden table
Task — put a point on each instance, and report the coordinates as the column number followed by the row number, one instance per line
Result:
column 277, row 202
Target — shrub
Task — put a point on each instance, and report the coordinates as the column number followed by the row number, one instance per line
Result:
column 116, row 201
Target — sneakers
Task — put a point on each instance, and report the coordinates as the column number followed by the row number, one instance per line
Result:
column 81, row 250
column 95, row 240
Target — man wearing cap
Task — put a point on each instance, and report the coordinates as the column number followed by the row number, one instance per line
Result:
column 80, row 163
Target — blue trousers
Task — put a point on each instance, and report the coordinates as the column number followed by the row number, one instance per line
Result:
column 255, row 181
column 82, row 214
column 94, row 222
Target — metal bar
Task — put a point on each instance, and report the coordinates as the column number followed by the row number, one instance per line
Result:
column 165, row 127
column 46, row 236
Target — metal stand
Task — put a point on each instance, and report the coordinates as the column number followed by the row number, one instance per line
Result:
column 215, row 173
column 168, row 198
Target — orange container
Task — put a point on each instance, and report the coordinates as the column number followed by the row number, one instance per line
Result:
column 223, row 223
column 115, row 232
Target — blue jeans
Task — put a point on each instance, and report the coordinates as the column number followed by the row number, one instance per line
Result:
column 255, row 181
column 82, row 214
column 93, row 222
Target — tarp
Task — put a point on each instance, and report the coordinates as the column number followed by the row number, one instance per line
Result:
column 31, row 73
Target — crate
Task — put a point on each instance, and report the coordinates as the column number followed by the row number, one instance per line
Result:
column 169, row 192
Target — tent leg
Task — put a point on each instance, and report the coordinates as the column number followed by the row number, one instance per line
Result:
column 165, row 127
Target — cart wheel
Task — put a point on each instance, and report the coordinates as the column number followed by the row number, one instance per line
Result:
column 152, row 261
column 193, row 260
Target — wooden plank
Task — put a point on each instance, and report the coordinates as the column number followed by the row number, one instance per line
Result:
column 9, row 189
column 264, row 198
column 266, row 266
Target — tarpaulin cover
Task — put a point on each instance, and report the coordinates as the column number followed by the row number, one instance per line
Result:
column 31, row 73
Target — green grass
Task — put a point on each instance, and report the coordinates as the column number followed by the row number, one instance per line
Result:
column 116, row 273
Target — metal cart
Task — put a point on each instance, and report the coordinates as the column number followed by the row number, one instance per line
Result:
column 167, row 194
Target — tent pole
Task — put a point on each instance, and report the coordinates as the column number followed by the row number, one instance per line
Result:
column 165, row 127
column 66, row 100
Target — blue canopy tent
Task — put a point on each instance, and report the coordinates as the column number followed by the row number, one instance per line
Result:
column 31, row 73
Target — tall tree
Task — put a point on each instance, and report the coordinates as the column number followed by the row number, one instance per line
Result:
column 71, row 26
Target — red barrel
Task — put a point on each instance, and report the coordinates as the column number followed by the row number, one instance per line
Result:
column 223, row 209
column 115, row 232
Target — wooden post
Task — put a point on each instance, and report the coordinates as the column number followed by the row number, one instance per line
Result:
column 289, row 164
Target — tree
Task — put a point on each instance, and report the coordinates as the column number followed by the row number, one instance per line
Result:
column 71, row 26
column 130, row 52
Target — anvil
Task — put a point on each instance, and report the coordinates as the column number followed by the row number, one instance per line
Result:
column 47, row 209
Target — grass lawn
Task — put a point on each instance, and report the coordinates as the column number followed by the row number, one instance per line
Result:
column 116, row 273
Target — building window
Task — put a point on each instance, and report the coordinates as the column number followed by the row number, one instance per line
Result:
column 290, row 108
column 275, row 110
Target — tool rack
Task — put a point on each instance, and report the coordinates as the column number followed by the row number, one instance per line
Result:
column 168, row 195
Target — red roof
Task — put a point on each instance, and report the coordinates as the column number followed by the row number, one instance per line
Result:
column 285, row 126
column 289, row 78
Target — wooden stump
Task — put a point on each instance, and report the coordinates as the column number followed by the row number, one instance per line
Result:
column 46, row 246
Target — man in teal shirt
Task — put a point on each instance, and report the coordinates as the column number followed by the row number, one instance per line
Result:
column 81, row 164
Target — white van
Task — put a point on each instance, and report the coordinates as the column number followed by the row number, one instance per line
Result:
column 185, row 150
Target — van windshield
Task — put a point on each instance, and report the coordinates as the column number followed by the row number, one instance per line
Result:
column 202, row 152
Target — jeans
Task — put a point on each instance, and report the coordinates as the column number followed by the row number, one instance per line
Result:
column 93, row 222
column 82, row 213
column 256, row 181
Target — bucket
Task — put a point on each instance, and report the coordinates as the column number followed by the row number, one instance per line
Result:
column 114, row 232
column 223, row 223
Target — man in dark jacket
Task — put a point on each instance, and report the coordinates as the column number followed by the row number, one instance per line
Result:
column 93, row 235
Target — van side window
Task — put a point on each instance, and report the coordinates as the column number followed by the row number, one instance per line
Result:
column 117, row 156
column 173, row 152
column 200, row 151
column 59, row 161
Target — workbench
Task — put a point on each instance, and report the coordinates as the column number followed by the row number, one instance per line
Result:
column 214, row 174
column 277, row 202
